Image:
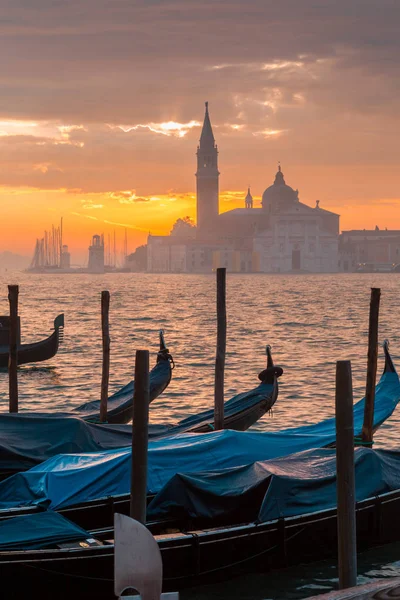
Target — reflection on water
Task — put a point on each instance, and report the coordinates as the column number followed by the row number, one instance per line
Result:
column 310, row 321
column 301, row 581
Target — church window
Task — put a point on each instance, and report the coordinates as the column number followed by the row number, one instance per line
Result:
column 281, row 247
column 311, row 247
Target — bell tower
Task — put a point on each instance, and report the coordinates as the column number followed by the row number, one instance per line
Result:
column 207, row 177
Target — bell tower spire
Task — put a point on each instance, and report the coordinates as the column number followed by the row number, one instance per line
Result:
column 248, row 201
column 207, row 177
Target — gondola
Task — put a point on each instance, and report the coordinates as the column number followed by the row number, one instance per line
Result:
column 48, row 552
column 36, row 352
column 27, row 440
column 51, row 433
column 88, row 489
column 241, row 411
column 120, row 404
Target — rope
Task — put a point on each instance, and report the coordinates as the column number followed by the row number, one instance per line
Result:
column 358, row 441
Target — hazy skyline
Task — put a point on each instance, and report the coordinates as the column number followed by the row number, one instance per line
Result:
column 102, row 103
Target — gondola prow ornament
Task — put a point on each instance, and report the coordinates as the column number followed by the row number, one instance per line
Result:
column 271, row 373
column 137, row 561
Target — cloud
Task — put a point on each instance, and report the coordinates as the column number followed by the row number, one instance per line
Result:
column 127, row 197
column 107, row 100
column 103, row 65
column 88, row 205
column 270, row 133
column 168, row 128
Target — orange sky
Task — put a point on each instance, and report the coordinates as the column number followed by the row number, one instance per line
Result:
column 101, row 109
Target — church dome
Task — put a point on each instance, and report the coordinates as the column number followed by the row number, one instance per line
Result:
column 279, row 194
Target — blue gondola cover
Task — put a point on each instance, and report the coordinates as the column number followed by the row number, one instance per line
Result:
column 37, row 531
column 284, row 487
column 62, row 481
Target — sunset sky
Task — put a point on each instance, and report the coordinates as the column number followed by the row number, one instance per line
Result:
column 102, row 102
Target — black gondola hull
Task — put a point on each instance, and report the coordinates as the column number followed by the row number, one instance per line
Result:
column 202, row 556
column 37, row 352
column 160, row 377
column 242, row 420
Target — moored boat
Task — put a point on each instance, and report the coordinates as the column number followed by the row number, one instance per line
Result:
column 120, row 404
column 241, row 411
column 27, row 439
column 89, row 488
column 119, row 408
column 219, row 545
column 35, row 352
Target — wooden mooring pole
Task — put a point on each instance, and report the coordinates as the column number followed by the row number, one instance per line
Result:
column 105, row 374
column 346, row 508
column 140, row 428
column 221, row 350
column 13, row 292
column 368, row 425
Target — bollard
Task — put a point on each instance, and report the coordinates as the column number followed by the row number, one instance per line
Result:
column 221, row 350
column 13, row 291
column 105, row 374
column 140, row 428
column 368, row 424
column 346, row 512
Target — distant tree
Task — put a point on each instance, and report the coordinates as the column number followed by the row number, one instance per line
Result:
column 184, row 228
column 137, row 261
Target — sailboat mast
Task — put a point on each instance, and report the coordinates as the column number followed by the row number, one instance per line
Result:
column 61, row 238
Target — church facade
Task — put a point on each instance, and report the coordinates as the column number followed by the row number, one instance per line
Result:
column 283, row 235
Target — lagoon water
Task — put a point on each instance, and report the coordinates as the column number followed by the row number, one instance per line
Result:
column 310, row 321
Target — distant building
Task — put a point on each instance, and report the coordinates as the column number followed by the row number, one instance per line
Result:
column 283, row 235
column 369, row 250
column 166, row 254
column 296, row 236
column 207, row 177
column 65, row 260
column 96, row 255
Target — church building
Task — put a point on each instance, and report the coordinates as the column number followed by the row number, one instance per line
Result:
column 283, row 235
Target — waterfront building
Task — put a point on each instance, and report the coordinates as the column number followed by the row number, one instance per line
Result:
column 65, row 260
column 369, row 250
column 96, row 255
column 282, row 235
column 166, row 254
